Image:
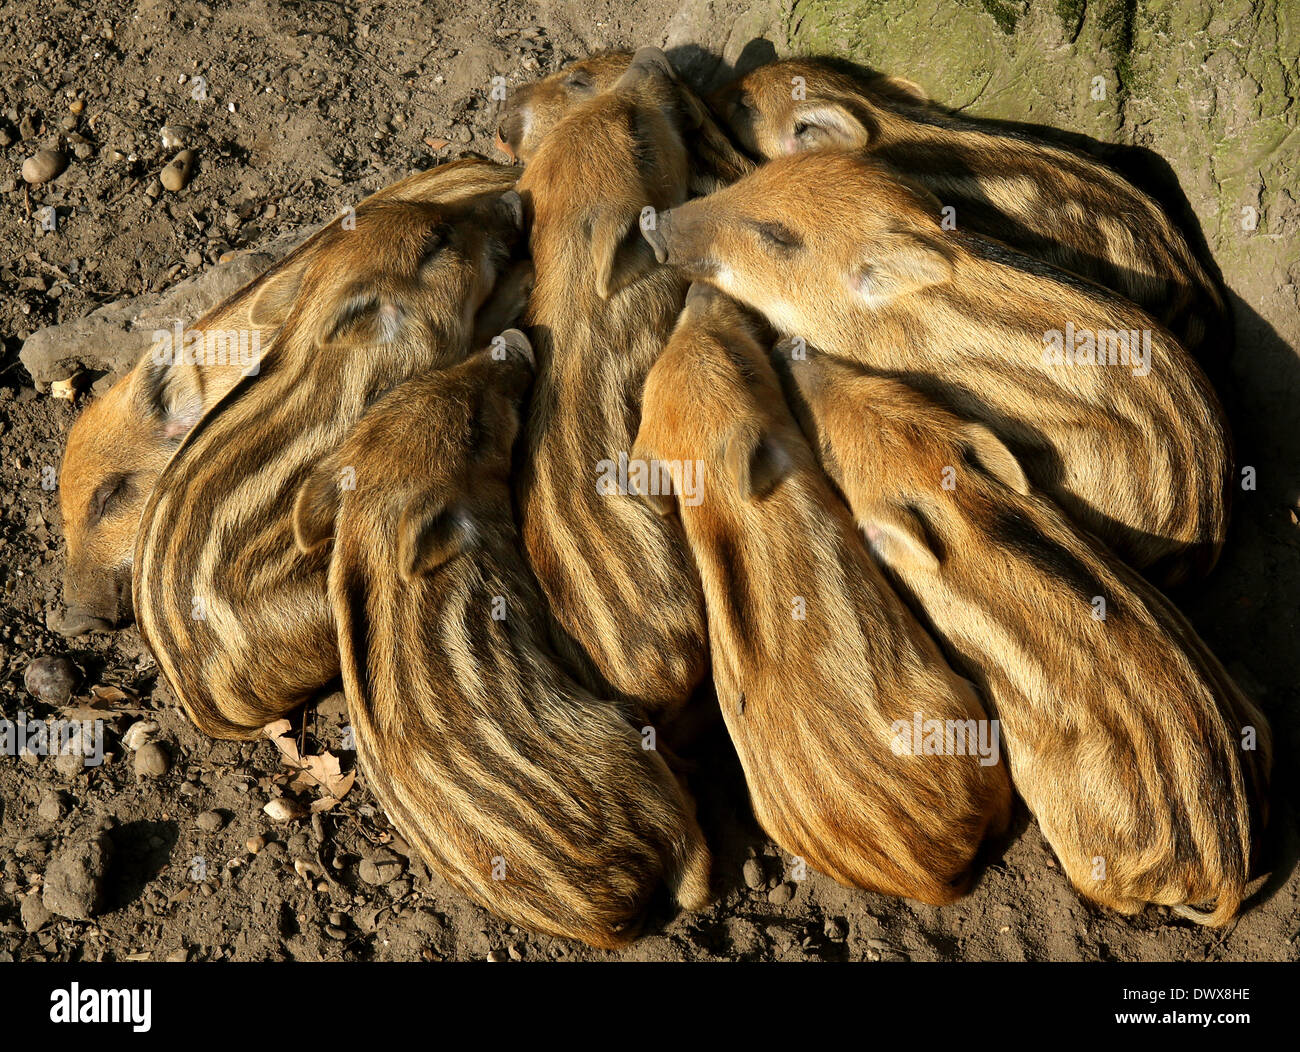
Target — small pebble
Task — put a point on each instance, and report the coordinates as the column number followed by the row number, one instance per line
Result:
column 753, row 873
column 255, row 844
column 178, row 171
column 379, row 871
column 51, row 679
column 70, row 762
column 33, row 913
column 151, row 761
column 53, row 805
column 308, row 869
column 210, row 821
column 497, row 956
column 173, row 136
column 780, row 895
column 139, row 734
column 43, row 166
column 74, row 880
column 282, row 809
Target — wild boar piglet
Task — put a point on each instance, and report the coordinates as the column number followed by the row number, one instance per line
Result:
column 532, row 110
column 628, row 614
column 237, row 616
column 1108, row 414
column 1047, row 201
column 1146, row 766
column 822, row 673
column 119, row 446
column 527, row 793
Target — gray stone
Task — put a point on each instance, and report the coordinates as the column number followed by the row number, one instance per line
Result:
column 113, row 337
column 74, row 879
column 33, row 913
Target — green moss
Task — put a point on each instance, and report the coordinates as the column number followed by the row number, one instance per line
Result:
column 1117, row 24
column 1005, row 14
column 1070, row 12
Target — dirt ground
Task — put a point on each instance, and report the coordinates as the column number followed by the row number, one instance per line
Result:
column 309, row 106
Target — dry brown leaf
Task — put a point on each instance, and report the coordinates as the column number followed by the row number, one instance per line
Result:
column 318, row 771
column 107, row 695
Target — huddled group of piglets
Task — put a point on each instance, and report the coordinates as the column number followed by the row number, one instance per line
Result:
column 872, row 428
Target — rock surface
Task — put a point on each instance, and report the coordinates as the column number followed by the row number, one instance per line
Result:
column 74, row 879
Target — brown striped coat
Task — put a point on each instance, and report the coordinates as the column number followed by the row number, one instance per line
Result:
column 835, row 250
column 236, row 616
column 532, row 110
column 1048, row 201
column 1146, row 766
column 816, row 661
column 119, row 446
column 628, row 611
column 524, row 791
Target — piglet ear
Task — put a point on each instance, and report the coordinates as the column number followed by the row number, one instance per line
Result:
column 900, row 89
column 169, row 394
column 430, row 535
column 621, row 254
column 316, row 507
column 647, row 62
column 828, row 124
column 898, row 539
column 275, row 293
column 995, row 457
column 757, row 463
column 512, row 207
column 361, row 316
column 905, row 263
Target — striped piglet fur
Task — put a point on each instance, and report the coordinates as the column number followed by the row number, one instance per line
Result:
column 235, row 614
column 818, row 665
column 120, row 445
column 1146, row 766
column 524, row 791
column 533, row 110
column 836, row 251
column 1047, row 201
column 629, row 614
